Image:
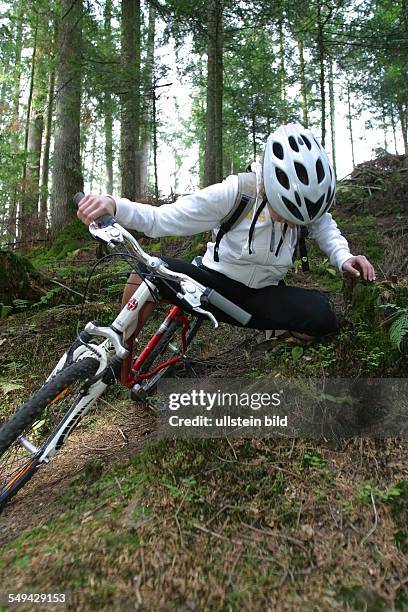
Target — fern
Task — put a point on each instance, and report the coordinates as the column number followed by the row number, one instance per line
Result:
column 399, row 330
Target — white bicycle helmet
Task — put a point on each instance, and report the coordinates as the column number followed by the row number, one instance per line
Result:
column 299, row 180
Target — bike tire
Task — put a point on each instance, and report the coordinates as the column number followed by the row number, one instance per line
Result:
column 48, row 395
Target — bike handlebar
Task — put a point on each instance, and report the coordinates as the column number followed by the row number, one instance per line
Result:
column 107, row 229
column 230, row 308
column 103, row 221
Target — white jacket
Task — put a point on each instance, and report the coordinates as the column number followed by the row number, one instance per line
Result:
column 203, row 211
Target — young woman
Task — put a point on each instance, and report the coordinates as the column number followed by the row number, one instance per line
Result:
column 294, row 186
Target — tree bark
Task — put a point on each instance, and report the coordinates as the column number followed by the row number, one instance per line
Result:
column 332, row 116
column 46, row 153
column 350, row 127
column 130, row 103
column 108, row 106
column 303, row 85
column 32, row 148
column 321, row 58
column 213, row 145
column 253, row 130
column 282, row 76
column 67, row 177
column 394, row 129
column 147, row 102
column 402, row 113
column 15, row 117
column 384, row 125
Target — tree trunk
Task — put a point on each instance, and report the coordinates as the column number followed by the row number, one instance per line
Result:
column 108, row 128
column 156, row 180
column 253, row 130
column 332, row 116
column 92, row 173
column 46, row 153
column 108, row 106
column 67, row 177
column 18, row 65
column 15, row 116
column 384, row 125
column 282, row 76
column 219, row 92
column 130, row 103
column 32, row 150
column 303, row 85
column 147, row 102
column 402, row 113
column 350, row 127
column 394, row 129
column 29, row 208
column 213, row 145
column 321, row 56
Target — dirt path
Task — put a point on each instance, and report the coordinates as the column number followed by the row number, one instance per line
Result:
column 119, row 434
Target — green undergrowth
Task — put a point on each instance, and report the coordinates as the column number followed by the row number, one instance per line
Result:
column 215, row 525
column 372, row 341
column 72, row 237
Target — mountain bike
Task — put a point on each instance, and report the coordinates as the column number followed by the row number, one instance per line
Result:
column 36, row 432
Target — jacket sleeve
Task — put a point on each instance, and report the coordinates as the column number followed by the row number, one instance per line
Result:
column 188, row 215
column 330, row 240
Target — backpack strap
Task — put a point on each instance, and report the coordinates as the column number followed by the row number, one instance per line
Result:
column 243, row 204
column 254, row 220
column 301, row 245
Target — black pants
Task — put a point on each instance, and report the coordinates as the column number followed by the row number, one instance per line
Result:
column 273, row 307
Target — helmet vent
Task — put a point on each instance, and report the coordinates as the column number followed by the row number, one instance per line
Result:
column 301, row 173
column 328, row 194
column 278, row 150
column 320, row 170
column 331, row 172
column 298, row 200
column 307, row 142
column 317, row 142
column 282, row 178
column 293, row 144
column 313, row 208
column 292, row 208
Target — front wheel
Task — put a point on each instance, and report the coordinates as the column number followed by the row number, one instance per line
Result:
column 24, row 435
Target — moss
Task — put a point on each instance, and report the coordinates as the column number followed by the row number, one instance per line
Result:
column 16, row 276
column 366, row 301
column 70, row 238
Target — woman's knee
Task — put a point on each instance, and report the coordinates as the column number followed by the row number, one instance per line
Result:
column 322, row 315
column 132, row 283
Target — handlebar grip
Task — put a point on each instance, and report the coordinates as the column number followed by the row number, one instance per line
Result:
column 78, row 197
column 103, row 221
column 219, row 301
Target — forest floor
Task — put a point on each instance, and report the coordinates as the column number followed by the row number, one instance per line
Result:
column 127, row 521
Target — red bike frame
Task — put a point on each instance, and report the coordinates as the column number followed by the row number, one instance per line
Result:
column 133, row 375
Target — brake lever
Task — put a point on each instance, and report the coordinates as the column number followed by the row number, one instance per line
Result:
column 109, row 233
column 207, row 314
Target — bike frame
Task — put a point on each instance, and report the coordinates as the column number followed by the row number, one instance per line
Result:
column 109, row 346
column 124, row 325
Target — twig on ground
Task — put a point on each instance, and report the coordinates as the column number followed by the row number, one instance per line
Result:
column 374, row 527
column 232, row 448
column 120, row 488
column 113, row 407
column 275, row 534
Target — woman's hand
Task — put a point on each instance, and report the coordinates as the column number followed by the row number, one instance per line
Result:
column 92, row 207
column 359, row 265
